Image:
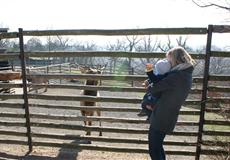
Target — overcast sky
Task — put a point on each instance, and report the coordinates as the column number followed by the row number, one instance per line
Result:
column 112, row 14
column 105, row 14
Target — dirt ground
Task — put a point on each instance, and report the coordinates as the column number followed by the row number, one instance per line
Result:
column 48, row 153
column 18, row 152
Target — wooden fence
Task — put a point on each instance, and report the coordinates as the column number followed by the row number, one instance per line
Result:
column 52, row 119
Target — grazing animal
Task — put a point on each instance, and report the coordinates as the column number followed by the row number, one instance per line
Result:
column 88, row 70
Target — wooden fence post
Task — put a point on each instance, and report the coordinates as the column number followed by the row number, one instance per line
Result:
column 47, row 69
column 204, row 91
column 60, row 70
column 25, row 95
column 132, row 72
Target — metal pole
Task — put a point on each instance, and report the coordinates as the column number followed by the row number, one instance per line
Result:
column 25, row 95
column 204, row 91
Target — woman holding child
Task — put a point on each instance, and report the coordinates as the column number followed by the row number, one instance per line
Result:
column 173, row 89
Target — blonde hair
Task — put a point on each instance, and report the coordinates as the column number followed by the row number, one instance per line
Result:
column 180, row 55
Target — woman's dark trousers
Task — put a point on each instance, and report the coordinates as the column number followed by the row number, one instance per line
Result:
column 156, row 149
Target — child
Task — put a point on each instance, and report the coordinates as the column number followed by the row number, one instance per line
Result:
column 162, row 67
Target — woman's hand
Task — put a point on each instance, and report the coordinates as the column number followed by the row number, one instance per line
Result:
column 145, row 84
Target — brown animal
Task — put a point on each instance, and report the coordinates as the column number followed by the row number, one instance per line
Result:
column 9, row 75
column 88, row 70
column 6, row 76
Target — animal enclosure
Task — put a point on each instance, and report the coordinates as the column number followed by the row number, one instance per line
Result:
column 53, row 118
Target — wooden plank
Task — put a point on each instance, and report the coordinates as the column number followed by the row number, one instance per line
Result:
column 98, row 77
column 12, row 115
column 9, row 35
column 221, row 28
column 11, row 96
column 223, row 54
column 61, row 136
column 219, row 78
column 189, row 112
column 107, row 139
column 11, row 105
column 217, row 122
column 19, row 142
column 10, row 85
column 12, row 133
column 219, row 88
column 100, row 88
column 117, row 32
column 104, row 129
column 15, row 124
column 93, row 88
column 223, row 100
column 42, row 54
column 214, row 152
column 96, row 88
column 87, row 118
column 218, row 110
column 101, row 108
column 97, row 54
column 216, row 143
column 216, row 133
column 89, row 76
column 107, row 108
column 9, row 56
column 104, row 54
column 133, row 100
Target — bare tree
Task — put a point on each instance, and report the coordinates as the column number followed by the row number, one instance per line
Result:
column 34, row 44
column 13, row 46
column 85, row 47
column 166, row 46
column 118, row 46
column 63, row 42
column 212, row 3
column 132, row 41
column 3, row 42
column 147, row 44
column 180, row 41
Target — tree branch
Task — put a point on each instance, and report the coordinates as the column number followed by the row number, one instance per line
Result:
column 211, row 5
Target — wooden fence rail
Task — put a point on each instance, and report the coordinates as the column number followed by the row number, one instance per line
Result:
column 15, row 55
column 101, row 108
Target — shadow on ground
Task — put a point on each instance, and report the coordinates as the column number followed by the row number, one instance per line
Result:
column 64, row 153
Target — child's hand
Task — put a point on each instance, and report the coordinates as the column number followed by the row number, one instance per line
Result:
column 149, row 107
column 149, row 67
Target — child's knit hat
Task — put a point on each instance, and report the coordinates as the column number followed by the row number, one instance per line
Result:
column 162, row 66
